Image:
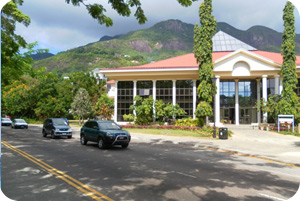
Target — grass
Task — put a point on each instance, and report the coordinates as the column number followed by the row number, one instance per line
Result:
column 296, row 133
column 170, row 132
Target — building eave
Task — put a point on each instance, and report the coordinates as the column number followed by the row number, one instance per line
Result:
column 251, row 54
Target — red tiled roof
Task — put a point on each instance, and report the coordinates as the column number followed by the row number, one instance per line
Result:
column 110, row 82
column 277, row 57
column 189, row 61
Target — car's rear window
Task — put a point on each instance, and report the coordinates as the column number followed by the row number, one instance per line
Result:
column 109, row 126
column 5, row 119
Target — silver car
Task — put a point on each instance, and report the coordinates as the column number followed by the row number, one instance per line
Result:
column 19, row 123
column 5, row 122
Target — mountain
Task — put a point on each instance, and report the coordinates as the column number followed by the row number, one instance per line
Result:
column 163, row 40
column 40, row 56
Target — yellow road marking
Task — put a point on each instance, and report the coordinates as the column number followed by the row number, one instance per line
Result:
column 251, row 156
column 71, row 181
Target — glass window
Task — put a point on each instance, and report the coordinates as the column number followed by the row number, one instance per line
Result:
column 144, row 88
column 184, row 96
column 247, row 95
column 227, row 93
column 109, row 126
column 271, row 86
column 298, row 87
column 164, row 90
column 94, row 125
column 125, row 98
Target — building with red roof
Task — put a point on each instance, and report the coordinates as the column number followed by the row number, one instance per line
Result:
column 243, row 76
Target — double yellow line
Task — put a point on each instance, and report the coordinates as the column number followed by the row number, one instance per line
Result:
column 86, row 190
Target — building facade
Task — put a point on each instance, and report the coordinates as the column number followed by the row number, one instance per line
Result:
column 243, row 76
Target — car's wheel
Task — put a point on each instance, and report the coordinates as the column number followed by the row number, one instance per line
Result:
column 125, row 145
column 52, row 135
column 83, row 141
column 44, row 133
column 69, row 137
column 101, row 144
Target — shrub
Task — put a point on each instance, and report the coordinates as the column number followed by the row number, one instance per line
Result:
column 128, row 117
column 186, row 122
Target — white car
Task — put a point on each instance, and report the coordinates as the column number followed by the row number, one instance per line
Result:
column 19, row 123
column 5, row 122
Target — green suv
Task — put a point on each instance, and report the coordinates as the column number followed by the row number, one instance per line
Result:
column 105, row 133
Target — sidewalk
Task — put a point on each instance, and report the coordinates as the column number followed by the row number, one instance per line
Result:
column 257, row 143
column 268, row 145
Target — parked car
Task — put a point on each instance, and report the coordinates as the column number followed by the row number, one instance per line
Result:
column 19, row 123
column 5, row 122
column 105, row 133
column 56, row 127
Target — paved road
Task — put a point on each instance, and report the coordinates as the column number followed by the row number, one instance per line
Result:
column 37, row 168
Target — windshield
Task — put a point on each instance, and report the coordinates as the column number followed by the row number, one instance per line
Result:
column 5, row 119
column 59, row 122
column 109, row 126
column 20, row 120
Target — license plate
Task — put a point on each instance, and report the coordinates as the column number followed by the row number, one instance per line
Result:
column 121, row 138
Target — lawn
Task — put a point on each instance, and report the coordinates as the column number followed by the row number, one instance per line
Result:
column 296, row 133
column 170, row 132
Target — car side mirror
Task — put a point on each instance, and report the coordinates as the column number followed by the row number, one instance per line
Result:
column 95, row 127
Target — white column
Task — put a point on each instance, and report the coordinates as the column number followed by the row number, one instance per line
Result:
column 280, row 86
column 265, row 95
column 134, row 94
column 116, row 102
column 258, row 99
column 194, row 99
column 154, row 98
column 237, row 105
column 217, row 102
column 174, row 92
column 277, row 80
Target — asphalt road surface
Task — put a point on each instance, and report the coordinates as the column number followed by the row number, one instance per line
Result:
column 38, row 168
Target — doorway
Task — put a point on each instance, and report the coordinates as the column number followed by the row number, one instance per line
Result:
column 228, row 114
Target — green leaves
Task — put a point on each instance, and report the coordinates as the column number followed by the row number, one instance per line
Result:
column 97, row 11
column 203, row 109
column 289, row 100
column 105, row 107
column 123, row 8
column 81, row 105
column 186, row 3
column 203, row 53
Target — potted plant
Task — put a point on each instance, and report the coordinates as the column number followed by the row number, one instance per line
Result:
column 224, row 121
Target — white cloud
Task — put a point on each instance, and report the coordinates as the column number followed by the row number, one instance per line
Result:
column 60, row 26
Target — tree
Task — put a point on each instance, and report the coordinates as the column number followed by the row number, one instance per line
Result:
column 143, row 108
column 94, row 86
column 20, row 99
column 105, row 107
column 203, row 48
column 50, row 107
column 14, row 64
column 289, row 100
column 165, row 111
column 81, row 105
column 97, row 11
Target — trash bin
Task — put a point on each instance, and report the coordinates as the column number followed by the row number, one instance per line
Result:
column 223, row 133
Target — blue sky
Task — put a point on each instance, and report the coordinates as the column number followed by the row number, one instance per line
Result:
column 58, row 26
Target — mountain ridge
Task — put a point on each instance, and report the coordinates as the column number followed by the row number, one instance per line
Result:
column 161, row 41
